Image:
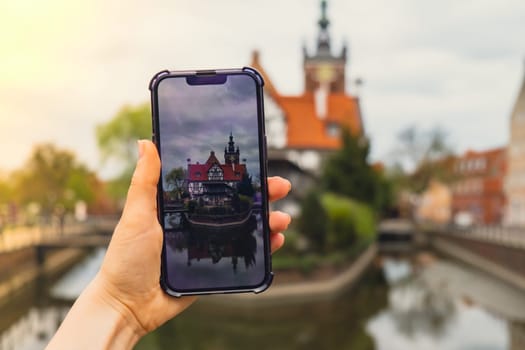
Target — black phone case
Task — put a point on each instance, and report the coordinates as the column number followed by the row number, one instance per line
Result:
column 153, row 85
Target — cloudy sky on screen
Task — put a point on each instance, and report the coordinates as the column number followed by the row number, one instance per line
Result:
column 197, row 119
column 67, row 66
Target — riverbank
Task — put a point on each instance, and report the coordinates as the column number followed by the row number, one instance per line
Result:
column 285, row 292
column 20, row 267
column 505, row 263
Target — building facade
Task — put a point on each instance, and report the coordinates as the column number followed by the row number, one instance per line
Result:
column 478, row 195
column 515, row 181
column 434, row 204
column 213, row 182
column 303, row 130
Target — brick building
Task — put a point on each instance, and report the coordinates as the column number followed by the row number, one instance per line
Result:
column 477, row 189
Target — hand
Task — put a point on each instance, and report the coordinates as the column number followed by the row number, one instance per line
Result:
column 127, row 285
column 131, row 270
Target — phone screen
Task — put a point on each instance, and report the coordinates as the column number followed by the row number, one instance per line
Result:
column 213, row 208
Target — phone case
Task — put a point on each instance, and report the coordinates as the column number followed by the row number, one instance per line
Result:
column 153, row 85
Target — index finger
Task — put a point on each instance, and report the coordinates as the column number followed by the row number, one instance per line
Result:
column 278, row 187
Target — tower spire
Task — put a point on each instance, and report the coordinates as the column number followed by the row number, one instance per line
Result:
column 323, row 22
column 231, row 154
column 323, row 69
column 323, row 40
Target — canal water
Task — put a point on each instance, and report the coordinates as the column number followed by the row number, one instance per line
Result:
column 417, row 303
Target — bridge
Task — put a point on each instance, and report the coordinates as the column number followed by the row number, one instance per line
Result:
column 85, row 240
column 92, row 233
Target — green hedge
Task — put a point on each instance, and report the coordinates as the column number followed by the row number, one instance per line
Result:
column 348, row 220
column 332, row 222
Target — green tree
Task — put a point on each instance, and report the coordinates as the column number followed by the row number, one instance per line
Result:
column 348, row 173
column 416, row 146
column 117, row 142
column 313, row 221
column 442, row 170
column 175, row 180
column 420, row 156
column 5, row 190
column 53, row 178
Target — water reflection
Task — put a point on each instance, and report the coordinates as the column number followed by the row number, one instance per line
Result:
column 421, row 315
column 76, row 280
column 397, row 305
column 234, row 243
column 34, row 329
column 414, row 307
column 336, row 324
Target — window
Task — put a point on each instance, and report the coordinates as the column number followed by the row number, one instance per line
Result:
column 333, row 129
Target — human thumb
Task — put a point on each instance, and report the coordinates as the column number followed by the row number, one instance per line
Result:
column 142, row 191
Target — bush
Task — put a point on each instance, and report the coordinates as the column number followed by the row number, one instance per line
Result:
column 348, row 221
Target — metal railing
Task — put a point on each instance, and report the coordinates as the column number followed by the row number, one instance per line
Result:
column 507, row 236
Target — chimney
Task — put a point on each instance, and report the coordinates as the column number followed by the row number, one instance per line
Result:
column 255, row 58
column 321, row 100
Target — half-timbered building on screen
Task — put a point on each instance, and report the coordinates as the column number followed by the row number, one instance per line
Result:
column 213, row 182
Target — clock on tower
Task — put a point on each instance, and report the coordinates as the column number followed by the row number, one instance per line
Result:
column 324, row 68
column 325, row 73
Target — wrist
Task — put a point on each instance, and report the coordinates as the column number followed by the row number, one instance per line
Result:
column 123, row 325
column 105, row 324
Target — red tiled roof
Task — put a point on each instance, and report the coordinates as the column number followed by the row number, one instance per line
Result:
column 199, row 172
column 344, row 109
column 212, row 159
column 305, row 128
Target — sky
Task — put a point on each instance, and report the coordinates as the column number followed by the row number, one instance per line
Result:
column 67, row 66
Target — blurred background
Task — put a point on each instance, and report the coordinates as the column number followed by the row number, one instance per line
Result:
column 401, row 125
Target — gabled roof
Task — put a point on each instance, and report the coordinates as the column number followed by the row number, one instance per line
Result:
column 212, row 159
column 305, row 130
column 344, row 109
column 268, row 85
column 231, row 172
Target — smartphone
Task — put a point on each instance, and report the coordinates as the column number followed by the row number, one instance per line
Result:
column 212, row 194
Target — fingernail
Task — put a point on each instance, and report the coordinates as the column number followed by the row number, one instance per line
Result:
column 289, row 220
column 141, row 146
